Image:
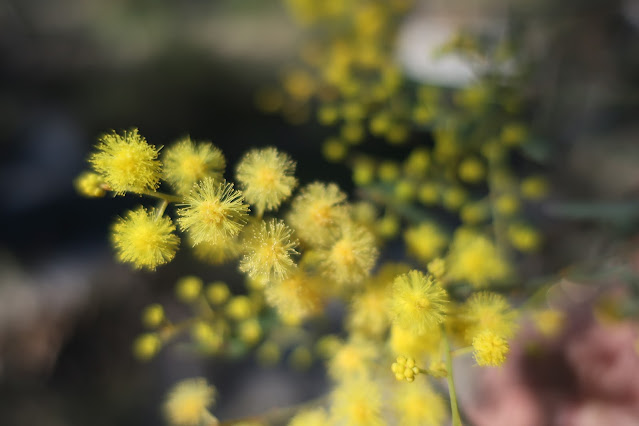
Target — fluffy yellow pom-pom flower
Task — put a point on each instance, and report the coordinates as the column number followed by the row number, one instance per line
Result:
column 475, row 259
column 425, row 241
column 418, row 302
column 187, row 402
column 352, row 360
column 487, row 311
column 490, row 349
column 126, row 162
column 357, row 402
column 316, row 211
column 89, row 184
column 352, row 255
column 144, row 239
column 269, row 251
column 266, row 178
column 186, row 163
column 418, row 405
column 296, row 296
column 214, row 212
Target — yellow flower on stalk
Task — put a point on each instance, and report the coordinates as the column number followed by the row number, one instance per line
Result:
column 405, row 342
column 187, row 402
column 487, row 311
column 524, row 238
column 418, row 302
column 146, row 346
column 296, row 296
column 188, row 289
column 474, row 258
column 351, row 256
column 425, row 241
column 418, row 405
column 153, row 316
column 317, row 210
column 534, row 187
column 490, row 349
column 269, row 251
column 144, row 239
column 266, row 178
column 89, row 184
column 357, row 402
column 186, row 163
column 214, row 212
column 126, row 162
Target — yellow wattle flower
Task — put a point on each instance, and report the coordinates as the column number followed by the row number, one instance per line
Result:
column 487, row 311
column 490, row 349
column 126, row 162
column 266, row 178
column 268, row 251
column 186, row 163
column 144, row 239
column 213, row 212
column 187, row 402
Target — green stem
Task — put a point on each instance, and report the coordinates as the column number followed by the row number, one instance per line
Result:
column 163, row 205
column 163, row 196
column 461, row 351
column 451, row 382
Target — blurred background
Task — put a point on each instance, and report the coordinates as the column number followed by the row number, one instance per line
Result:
column 71, row 70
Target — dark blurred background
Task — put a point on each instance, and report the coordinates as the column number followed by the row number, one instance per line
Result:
column 73, row 69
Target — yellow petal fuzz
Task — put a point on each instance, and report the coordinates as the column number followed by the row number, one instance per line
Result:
column 266, row 178
column 187, row 402
column 144, row 239
column 126, row 162
column 186, row 163
column 214, row 212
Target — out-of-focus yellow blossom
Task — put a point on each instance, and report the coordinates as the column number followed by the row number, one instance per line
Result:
column 298, row 295
column 145, row 239
column 404, row 341
column 417, row 163
column 428, row 193
column 472, row 170
column 490, row 349
column 126, row 162
column 418, row 405
column 187, row 402
column 317, row 210
column 388, row 226
column 186, row 163
column 266, row 178
column 437, row 268
column 404, row 190
column 312, row 417
column 250, row 331
column 334, row 150
column 357, row 402
column 214, row 212
column 269, row 251
column 327, row 346
column 487, row 311
column 363, row 172
column 352, row 360
column 549, row 322
column 352, row 132
column 523, row 237
column 208, row 339
column 299, row 84
column 418, row 302
column 239, row 308
column 507, row 205
column 90, row 184
column 474, row 213
column 153, row 315
column 534, row 187
column 146, row 346
column 388, row 171
column 217, row 292
column 327, row 115
column 513, row 134
column 188, row 288
column 425, row 241
column 301, row 358
column 475, row 259
column 368, row 312
column 269, row 353
column 351, row 256
column 454, row 197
